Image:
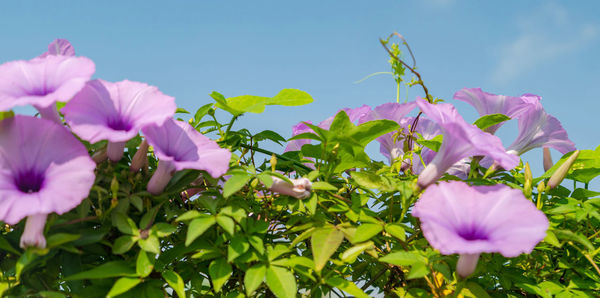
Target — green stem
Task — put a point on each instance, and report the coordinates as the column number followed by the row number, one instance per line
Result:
column 270, row 153
column 230, row 124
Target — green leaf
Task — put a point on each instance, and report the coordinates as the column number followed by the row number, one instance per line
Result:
column 144, row 265
column 434, row 143
column 61, row 238
column 5, row 245
column 247, row 103
column 417, row 270
column 396, row 230
column 269, row 135
column 106, row 270
column 305, row 135
column 365, row 231
column 290, row 97
column 350, row 255
column 188, row 215
column 163, row 229
column 551, row 239
column 219, row 271
column 254, row 277
column 281, row 282
column 257, row 243
column 137, row 202
column 226, row 223
column 403, row 258
column 369, row 131
column 235, row 183
column 321, row 185
column 346, row 286
column 150, row 244
column 324, row 242
column 198, row 226
column 490, row 120
column 265, row 179
column 476, row 290
column 124, row 224
column 181, row 111
column 201, row 112
column 123, row 244
column 568, row 235
column 175, row 281
column 237, row 247
column 181, row 179
column 370, row 180
column 123, row 285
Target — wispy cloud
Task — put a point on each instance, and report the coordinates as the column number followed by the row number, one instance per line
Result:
column 544, row 36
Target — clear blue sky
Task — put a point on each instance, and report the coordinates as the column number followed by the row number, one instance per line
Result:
column 190, row 48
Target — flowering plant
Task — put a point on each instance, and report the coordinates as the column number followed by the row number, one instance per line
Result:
column 116, row 192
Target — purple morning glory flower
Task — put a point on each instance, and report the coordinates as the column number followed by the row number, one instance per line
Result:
column 116, row 112
column 389, row 147
column 460, row 140
column 487, row 103
column 38, row 160
column 296, row 145
column 537, row 128
column 59, row 47
column 355, row 116
column 179, row 146
column 42, row 82
column 469, row 220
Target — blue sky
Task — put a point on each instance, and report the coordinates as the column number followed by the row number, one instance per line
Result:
column 190, row 48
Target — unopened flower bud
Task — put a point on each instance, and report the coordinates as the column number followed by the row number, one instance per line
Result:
column 273, row 162
column 140, row 157
column 114, row 187
column 527, row 185
column 562, row 171
column 547, row 159
column 299, row 188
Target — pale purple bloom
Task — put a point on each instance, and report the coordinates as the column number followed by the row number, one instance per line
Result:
column 43, row 169
column 116, row 112
column 487, row 104
column 42, row 82
column 59, row 47
column 299, row 188
column 300, row 128
column 468, row 220
column 537, row 128
column 355, row 116
column 390, row 147
column 460, row 140
column 179, row 146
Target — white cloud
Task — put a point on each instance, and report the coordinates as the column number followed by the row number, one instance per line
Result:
column 544, row 36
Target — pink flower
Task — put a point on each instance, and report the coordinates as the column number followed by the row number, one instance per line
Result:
column 179, row 146
column 470, row 220
column 461, row 140
column 116, row 112
column 43, row 169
